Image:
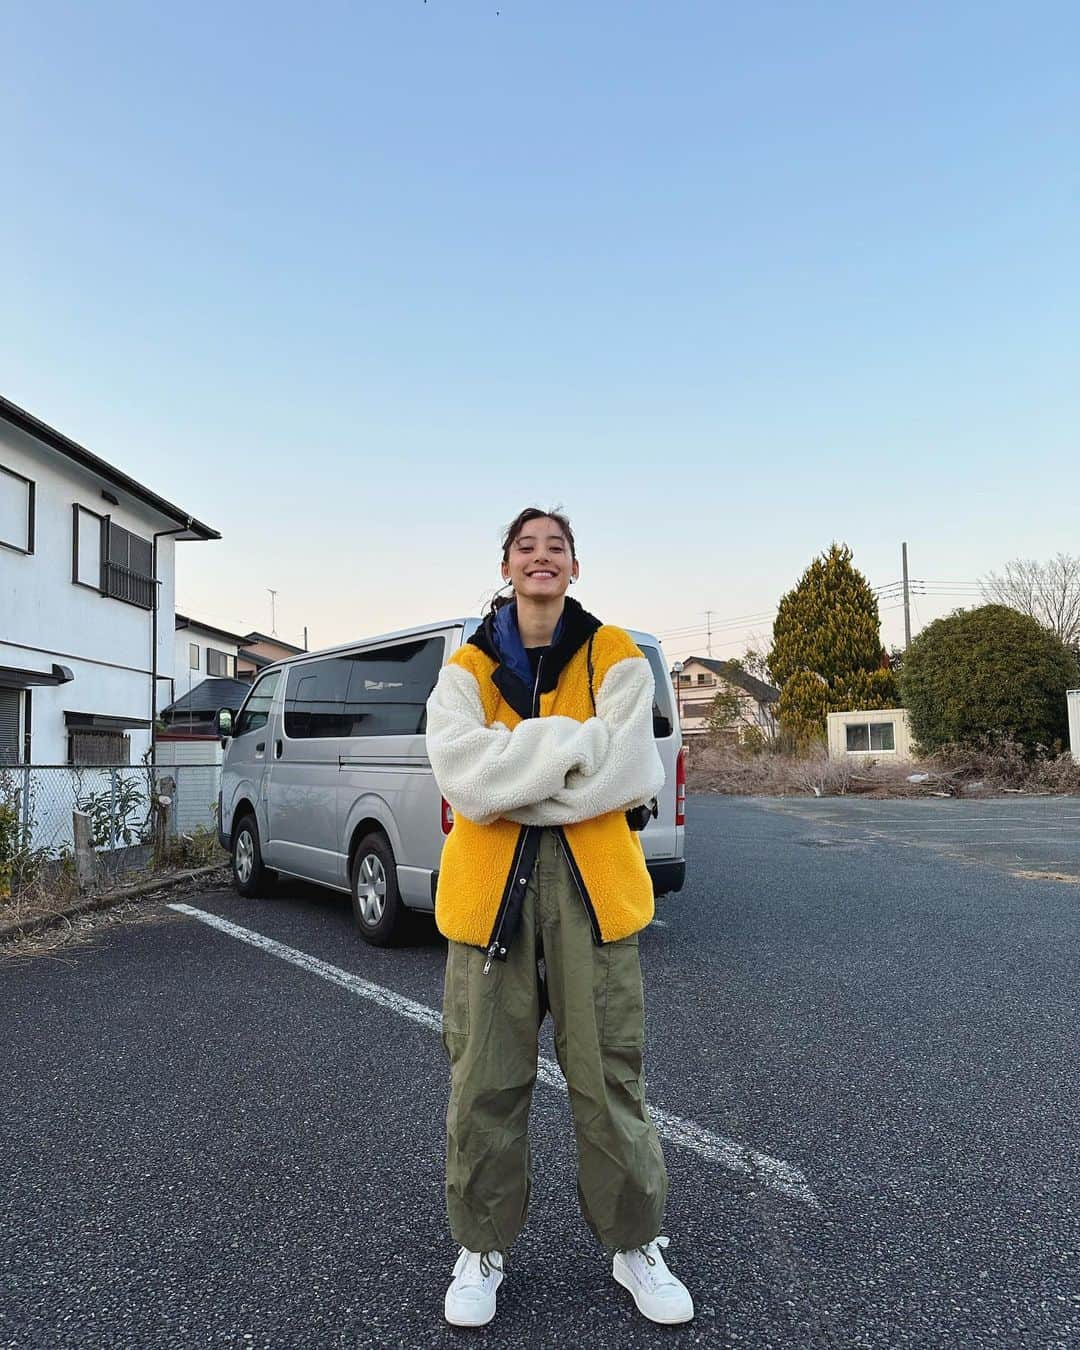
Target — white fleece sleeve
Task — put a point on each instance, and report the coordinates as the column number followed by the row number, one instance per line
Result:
column 631, row 772
column 490, row 771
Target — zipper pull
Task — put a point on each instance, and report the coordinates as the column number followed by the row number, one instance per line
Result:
column 490, row 956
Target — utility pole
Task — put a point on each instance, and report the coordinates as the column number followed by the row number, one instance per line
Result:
column 708, row 630
column 907, row 599
column 305, row 637
column 273, row 611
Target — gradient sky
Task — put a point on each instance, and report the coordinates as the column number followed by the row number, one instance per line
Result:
column 354, row 282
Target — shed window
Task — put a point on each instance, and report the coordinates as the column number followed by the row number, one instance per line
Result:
column 863, row 737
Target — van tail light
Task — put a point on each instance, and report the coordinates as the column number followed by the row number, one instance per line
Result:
column 680, row 788
column 447, row 816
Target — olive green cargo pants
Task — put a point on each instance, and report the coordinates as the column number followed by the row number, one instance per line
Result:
column 490, row 1025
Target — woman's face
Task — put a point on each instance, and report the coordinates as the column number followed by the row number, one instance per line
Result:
column 539, row 563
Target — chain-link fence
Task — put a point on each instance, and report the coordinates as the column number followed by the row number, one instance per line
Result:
column 124, row 806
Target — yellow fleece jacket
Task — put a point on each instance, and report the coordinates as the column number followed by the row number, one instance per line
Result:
column 569, row 767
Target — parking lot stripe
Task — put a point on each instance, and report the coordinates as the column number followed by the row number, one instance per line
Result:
column 760, row 1167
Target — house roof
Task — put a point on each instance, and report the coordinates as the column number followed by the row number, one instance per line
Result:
column 734, row 674
column 248, row 657
column 275, row 641
column 186, row 621
column 208, row 697
column 64, row 445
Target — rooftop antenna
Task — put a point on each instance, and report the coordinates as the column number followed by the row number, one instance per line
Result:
column 273, row 611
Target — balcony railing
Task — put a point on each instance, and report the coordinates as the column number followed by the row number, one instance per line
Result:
column 123, row 584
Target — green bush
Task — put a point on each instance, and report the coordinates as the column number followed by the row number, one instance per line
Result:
column 990, row 671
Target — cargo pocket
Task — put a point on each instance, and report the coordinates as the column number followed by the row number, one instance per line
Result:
column 624, row 1001
column 456, row 990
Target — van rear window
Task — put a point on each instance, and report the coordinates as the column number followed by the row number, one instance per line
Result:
column 663, row 720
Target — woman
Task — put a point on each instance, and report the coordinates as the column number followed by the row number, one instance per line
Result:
column 540, row 735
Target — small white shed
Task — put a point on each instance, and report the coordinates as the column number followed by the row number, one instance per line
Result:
column 1074, row 723
column 880, row 733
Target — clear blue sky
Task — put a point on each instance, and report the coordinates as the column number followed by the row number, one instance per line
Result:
column 353, row 282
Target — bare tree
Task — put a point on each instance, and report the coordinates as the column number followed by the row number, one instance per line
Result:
column 1049, row 592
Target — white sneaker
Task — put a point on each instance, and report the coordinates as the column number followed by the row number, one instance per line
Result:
column 657, row 1293
column 470, row 1300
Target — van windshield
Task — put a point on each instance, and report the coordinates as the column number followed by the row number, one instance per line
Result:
column 663, row 719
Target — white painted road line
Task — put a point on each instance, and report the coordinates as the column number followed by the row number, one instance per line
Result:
column 771, row 1172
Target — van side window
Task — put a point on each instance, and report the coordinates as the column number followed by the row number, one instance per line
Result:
column 315, row 699
column 256, row 709
column 382, row 692
column 389, row 688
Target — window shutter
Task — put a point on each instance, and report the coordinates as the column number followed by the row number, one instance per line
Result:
column 9, row 726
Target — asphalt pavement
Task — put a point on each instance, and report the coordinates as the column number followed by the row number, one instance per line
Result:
column 216, row 1138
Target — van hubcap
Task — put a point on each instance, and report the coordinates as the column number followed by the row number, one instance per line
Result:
column 245, row 856
column 371, row 888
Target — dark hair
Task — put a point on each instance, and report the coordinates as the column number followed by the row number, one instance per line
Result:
column 515, row 527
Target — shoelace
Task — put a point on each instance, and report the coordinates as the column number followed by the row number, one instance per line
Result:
column 651, row 1260
column 484, row 1266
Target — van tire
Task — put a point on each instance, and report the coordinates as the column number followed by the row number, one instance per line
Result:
column 250, row 877
column 377, row 909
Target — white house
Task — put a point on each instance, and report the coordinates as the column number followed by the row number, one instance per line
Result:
column 702, row 678
column 87, row 600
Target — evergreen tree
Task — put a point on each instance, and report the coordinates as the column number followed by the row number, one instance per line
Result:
column 826, row 654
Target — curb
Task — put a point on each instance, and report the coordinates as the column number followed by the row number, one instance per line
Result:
column 10, row 931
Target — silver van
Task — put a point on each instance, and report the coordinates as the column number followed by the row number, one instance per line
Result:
column 326, row 776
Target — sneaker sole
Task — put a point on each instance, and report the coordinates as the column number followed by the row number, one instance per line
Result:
column 630, row 1285
column 464, row 1320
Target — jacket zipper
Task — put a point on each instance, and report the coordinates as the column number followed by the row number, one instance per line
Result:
column 493, row 947
column 579, row 882
column 501, row 916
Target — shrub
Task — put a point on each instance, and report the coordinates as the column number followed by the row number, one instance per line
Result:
column 984, row 672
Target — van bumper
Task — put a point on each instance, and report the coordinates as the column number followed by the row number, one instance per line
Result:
column 668, row 874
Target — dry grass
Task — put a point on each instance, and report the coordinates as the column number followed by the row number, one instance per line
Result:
column 81, row 931
column 988, row 770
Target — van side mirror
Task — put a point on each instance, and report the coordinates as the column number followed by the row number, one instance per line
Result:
column 661, row 726
column 224, row 724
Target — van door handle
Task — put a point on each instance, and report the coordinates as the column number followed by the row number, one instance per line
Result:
column 278, row 748
column 260, row 747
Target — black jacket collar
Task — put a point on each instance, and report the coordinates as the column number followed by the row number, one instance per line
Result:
column 578, row 627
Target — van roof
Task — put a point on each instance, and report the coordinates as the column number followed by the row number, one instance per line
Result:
column 419, row 630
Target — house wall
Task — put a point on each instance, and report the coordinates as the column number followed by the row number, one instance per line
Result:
column 838, row 723
column 699, row 685
column 46, row 618
column 186, row 678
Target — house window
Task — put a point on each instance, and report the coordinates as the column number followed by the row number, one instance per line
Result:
column 129, row 568
column 684, row 680
column 88, row 546
column 702, row 678
column 696, row 709
column 16, row 511
column 220, row 663
column 88, row 746
column 10, row 724
column 864, row 737
column 193, row 656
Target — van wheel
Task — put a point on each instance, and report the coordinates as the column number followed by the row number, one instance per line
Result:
column 377, row 908
column 249, row 875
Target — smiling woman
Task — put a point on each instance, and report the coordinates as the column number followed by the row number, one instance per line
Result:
column 540, row 734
